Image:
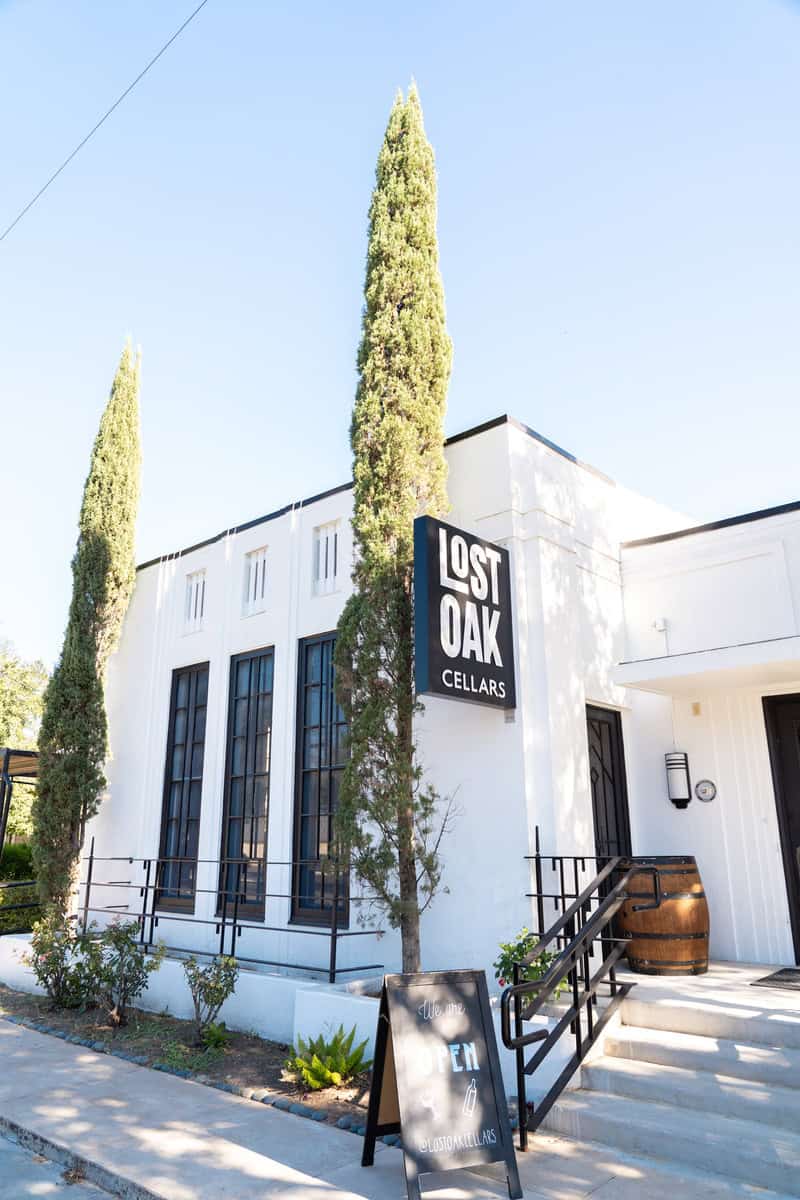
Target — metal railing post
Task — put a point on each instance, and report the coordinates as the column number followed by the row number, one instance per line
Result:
column 145, row 892
column 88, row 888
column 334, row 928
column 519, row 1054
column 537, row 862
column 236, row 909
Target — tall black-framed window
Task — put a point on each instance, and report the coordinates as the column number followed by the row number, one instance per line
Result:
column 183, row 785
column 320, row 757
column 247, row 766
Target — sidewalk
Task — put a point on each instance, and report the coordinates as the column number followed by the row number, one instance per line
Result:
column 146, row 1134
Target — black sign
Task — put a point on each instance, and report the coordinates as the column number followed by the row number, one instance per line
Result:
column 464, row 641
column 436, row 1078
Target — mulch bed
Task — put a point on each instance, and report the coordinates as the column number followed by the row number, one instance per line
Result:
column 247, row 1064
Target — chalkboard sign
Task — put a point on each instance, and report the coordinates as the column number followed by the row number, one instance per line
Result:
column 436, row 1078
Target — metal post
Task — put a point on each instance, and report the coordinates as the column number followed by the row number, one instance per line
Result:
column 5, row 797
column 334, row 928
column 88, row 887
column 519, row 1054
column 236, row 909
column 539, row 885
column 224, row 913
column 144, row 892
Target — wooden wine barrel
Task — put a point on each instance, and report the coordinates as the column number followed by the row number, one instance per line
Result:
column 671, row 939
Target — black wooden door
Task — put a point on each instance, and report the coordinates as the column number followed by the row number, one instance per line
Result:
column 783, row 729
column 612, row 829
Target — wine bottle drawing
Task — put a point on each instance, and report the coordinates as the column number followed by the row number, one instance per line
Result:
column 471, row 1098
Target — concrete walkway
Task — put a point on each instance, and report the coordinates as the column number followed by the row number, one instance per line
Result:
column 144, row 1134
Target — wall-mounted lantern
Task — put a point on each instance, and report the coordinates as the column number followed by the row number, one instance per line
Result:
column 679, row 787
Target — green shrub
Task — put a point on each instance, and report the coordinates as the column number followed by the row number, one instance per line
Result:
column 67, row 964
column 514, row 952
column 126, row 968
column 16, row 867
column 210, row 987
column 321, row 1063
column 16, row 862
column 215, row 1036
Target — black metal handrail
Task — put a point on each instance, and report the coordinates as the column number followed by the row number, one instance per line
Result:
column 577, row 933
column 9, row 885
column 233, row 901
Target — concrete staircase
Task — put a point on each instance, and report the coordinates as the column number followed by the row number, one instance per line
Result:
column 711, row 1087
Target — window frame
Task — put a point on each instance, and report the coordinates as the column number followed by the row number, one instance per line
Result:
column 176, row 903
column 329, row 532
column 194, row 624
column 252, row 606
column 257, row 910
column 297, row 914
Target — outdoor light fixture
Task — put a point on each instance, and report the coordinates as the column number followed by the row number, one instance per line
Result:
column 679, row 787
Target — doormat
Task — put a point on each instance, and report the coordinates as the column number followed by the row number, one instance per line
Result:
column 788, row 978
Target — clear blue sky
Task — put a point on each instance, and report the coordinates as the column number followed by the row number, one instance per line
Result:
column 619, row 203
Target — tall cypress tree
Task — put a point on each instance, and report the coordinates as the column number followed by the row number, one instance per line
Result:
column 73, row 736
column 387, row 825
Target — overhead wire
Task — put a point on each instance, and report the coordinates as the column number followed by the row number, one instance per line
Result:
column 102, row 121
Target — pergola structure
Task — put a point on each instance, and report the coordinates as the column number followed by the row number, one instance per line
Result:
column 16, row 766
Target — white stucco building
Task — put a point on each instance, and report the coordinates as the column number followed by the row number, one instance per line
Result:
column 225, row 741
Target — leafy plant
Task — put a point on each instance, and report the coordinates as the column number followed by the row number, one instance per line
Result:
column 16, row 862
column 67, row 964
column 215, row 1036
column 210, row 987
column 322, row 1063
column 177, row 1054
column 126, row 967
column 514, row 952
column 16, row 867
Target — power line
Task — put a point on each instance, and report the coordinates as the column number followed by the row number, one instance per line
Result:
column 102, row 121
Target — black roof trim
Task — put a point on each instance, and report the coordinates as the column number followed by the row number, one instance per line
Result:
column 725, row 523
column 505, row 419
column 273, row 516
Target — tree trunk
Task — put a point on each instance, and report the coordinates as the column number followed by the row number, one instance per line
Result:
column 407, row 859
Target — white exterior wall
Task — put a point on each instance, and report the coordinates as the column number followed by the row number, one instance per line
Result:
column 562, row 523
column 730, row 598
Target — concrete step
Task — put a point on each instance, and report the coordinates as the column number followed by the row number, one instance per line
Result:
column 762, row 1064
column 749, row 1151
column 744, row 1099
column 761, row 1026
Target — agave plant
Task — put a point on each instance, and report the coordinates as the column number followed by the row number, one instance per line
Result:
column 322, row 1062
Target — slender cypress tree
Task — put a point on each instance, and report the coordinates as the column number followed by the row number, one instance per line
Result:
column 73, row 736
column 387, row 826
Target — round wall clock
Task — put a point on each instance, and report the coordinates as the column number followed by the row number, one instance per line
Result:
column 705, row 790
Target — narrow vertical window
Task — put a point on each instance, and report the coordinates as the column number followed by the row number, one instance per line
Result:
column 255, row 582
column 325, row 560
column 183, row 785
column 320, row 758
column 247, row 771
column 195, row 603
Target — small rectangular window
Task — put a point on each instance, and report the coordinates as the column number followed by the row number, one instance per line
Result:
column 254, row 599
column 195, row 601
column 326, row 559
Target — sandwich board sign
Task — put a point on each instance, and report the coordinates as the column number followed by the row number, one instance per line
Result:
column 463, row 630
column 436, row 1078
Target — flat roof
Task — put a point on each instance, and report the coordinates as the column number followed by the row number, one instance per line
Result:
column 505, row 419
column 724, row 523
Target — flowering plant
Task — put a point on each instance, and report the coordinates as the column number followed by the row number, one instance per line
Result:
column 515, row 952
